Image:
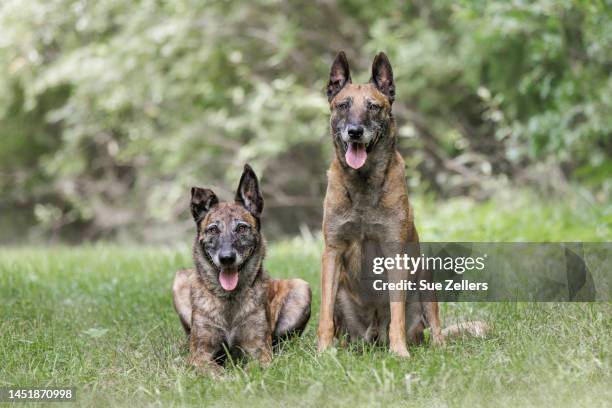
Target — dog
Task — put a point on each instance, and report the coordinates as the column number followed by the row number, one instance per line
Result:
column 227, row 304
column 367, row 201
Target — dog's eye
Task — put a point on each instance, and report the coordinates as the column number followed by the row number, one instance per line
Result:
column 373, row 107
column 242, row 228
column 342, row 106
column 213, row 229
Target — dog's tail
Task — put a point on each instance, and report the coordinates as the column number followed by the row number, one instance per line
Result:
column 473, row 328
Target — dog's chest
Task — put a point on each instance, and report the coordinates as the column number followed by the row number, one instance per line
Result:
column 245, row 318
column 363, row 217
column 233, row 320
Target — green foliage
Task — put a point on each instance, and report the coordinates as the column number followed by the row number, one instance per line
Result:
column 100, row 318
column 111, row 110
column 514, row 216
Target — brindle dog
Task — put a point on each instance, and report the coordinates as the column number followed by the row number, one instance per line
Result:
column 367, row 201
column 228, row 303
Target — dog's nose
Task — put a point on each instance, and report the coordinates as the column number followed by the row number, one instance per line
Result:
column 227, row 257
column 355, row 131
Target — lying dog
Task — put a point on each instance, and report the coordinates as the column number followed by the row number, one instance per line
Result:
column 228, row 303
column 367, row 201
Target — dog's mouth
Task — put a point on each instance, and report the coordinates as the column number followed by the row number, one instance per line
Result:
column 228, row 279
column 355, row 154
column 228, row 276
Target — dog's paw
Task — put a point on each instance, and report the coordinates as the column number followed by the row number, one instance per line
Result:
column 265, row 360
column 438, row 340
column 322, row 347
column 400, row 350
column 206, row 368
column 328, row 346
column 213, row 371
column 324, row 343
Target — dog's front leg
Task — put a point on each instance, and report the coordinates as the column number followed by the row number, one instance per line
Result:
column 431, row 311
column 329, row 288
column 397, row 329
column 259, row 349
column 433, row 318
column 201, row 352
column 397, row 300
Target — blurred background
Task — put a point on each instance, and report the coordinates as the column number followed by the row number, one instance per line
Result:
column 111, row 110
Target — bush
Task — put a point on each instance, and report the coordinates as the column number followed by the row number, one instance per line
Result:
column 111, row 110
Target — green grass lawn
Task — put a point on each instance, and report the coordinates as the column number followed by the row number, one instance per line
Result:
column 100, row 318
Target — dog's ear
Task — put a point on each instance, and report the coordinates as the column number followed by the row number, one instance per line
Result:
column 248, row 194
column 202, row 200
column 382, row 76
column 339, row 75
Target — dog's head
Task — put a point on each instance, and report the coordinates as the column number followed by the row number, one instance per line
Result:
column 360, row 113
column 229, row 246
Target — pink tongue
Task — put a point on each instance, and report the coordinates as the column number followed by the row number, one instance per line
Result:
column 356, row 155
column 228, row 279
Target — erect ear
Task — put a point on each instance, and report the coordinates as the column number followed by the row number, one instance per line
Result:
column 339, row 75
column 202, row 200
column 382, row 76
column 248, row 194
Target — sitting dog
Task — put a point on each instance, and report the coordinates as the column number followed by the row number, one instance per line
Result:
column 227, row 303
column 367, row 202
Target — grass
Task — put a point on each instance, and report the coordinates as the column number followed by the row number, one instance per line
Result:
column 100, row 318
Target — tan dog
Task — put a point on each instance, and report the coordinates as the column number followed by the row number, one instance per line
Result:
column 228, row 303
column 367, row 200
